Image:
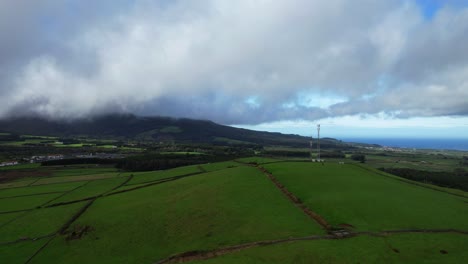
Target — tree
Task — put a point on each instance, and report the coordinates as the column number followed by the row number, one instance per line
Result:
column 359, row 157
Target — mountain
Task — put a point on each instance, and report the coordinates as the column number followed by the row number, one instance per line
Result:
column 127, row 126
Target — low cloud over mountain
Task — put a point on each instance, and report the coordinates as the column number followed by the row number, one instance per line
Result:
column 234, row 62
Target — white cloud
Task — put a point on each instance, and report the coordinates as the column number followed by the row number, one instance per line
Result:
column 209, row 59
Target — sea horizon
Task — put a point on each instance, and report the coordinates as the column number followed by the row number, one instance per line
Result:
column 417, row 143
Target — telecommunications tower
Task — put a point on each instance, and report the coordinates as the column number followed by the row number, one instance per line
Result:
column 318, row 142
column 311, row 147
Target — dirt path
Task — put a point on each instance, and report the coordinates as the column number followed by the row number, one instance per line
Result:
column 208, row 254
column 201, row 255
column 296, row 201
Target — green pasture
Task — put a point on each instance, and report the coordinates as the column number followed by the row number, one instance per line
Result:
column 15, row 184
column 427, row 185
column 230, row 141
column 21, row 166
column 23, row 142
column 145, row 177
column 75, row 145
column 210, row 210
column 220, row 165
column 37, row 137
column 258, row 160
column 6, row 218
column 170, row 129
column 226, row 204
column 417, row 161
column 348, row 194
column 37, row 223
column 401, row 248
column 25, row 202
column 74, row 170
column 181, row 153
column 90, row 189
column 62, row 179
column 19, row 253
column 40, row 189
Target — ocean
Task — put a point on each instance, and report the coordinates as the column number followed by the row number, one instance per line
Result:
column 426, row 143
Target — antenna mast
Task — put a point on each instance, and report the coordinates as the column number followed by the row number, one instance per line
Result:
column 318, row 141
column 311, row 147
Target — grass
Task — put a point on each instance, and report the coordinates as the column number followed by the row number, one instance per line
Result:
column 52, row 180
column 15, row 184
column 32, row 190
column 90, row 189
column 418, row 161
column 73, row 170
column 170, row 129
column 230, row 204
column 182, row 152
column 76, row 145
column 133, row 186
column 412, row 248
column 21, row 166
column 19, row 253
column 144, row 177
column 39, row 222
column 230, row 141
column 258, row 160
column 430, row 186
column 6, row 218
column 220, row 165
column 25, row 202
column 196, row 213
column 347, row 194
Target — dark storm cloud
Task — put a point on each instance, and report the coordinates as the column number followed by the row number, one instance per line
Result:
column 232, row 61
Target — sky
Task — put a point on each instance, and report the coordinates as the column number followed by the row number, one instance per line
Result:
column 364, row 68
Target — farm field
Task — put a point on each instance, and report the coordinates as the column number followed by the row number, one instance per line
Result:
column 402, row 248
column 230, row 212
column 349, row 195
column 424, row 160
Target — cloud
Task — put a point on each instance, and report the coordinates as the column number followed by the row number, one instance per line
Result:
column 208, row 59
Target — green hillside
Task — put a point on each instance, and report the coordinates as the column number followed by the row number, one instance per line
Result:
column 231, row 212
column 158, row 129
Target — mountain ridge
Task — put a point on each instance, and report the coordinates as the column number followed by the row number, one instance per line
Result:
column 156, row 128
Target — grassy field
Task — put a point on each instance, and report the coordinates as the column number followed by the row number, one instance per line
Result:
column 145, row 177
column 195, row 213
column 41, row 189
column 347, row 194
column 259, row 160
column 73, row 170
column 220, row 165
column 37, row 223
column 418, row 160
column 21, row 166
column 145, row 217
column 403, row 248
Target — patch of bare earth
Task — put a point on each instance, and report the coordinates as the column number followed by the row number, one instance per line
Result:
column 8, row 176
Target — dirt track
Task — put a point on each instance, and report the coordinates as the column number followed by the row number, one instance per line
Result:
column 319, row 219
column 202, row 255
column 207, row 254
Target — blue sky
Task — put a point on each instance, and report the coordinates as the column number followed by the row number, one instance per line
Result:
column 360, row 68
column 429, row 7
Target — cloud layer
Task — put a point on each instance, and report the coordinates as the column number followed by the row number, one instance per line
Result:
column 233, row 61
